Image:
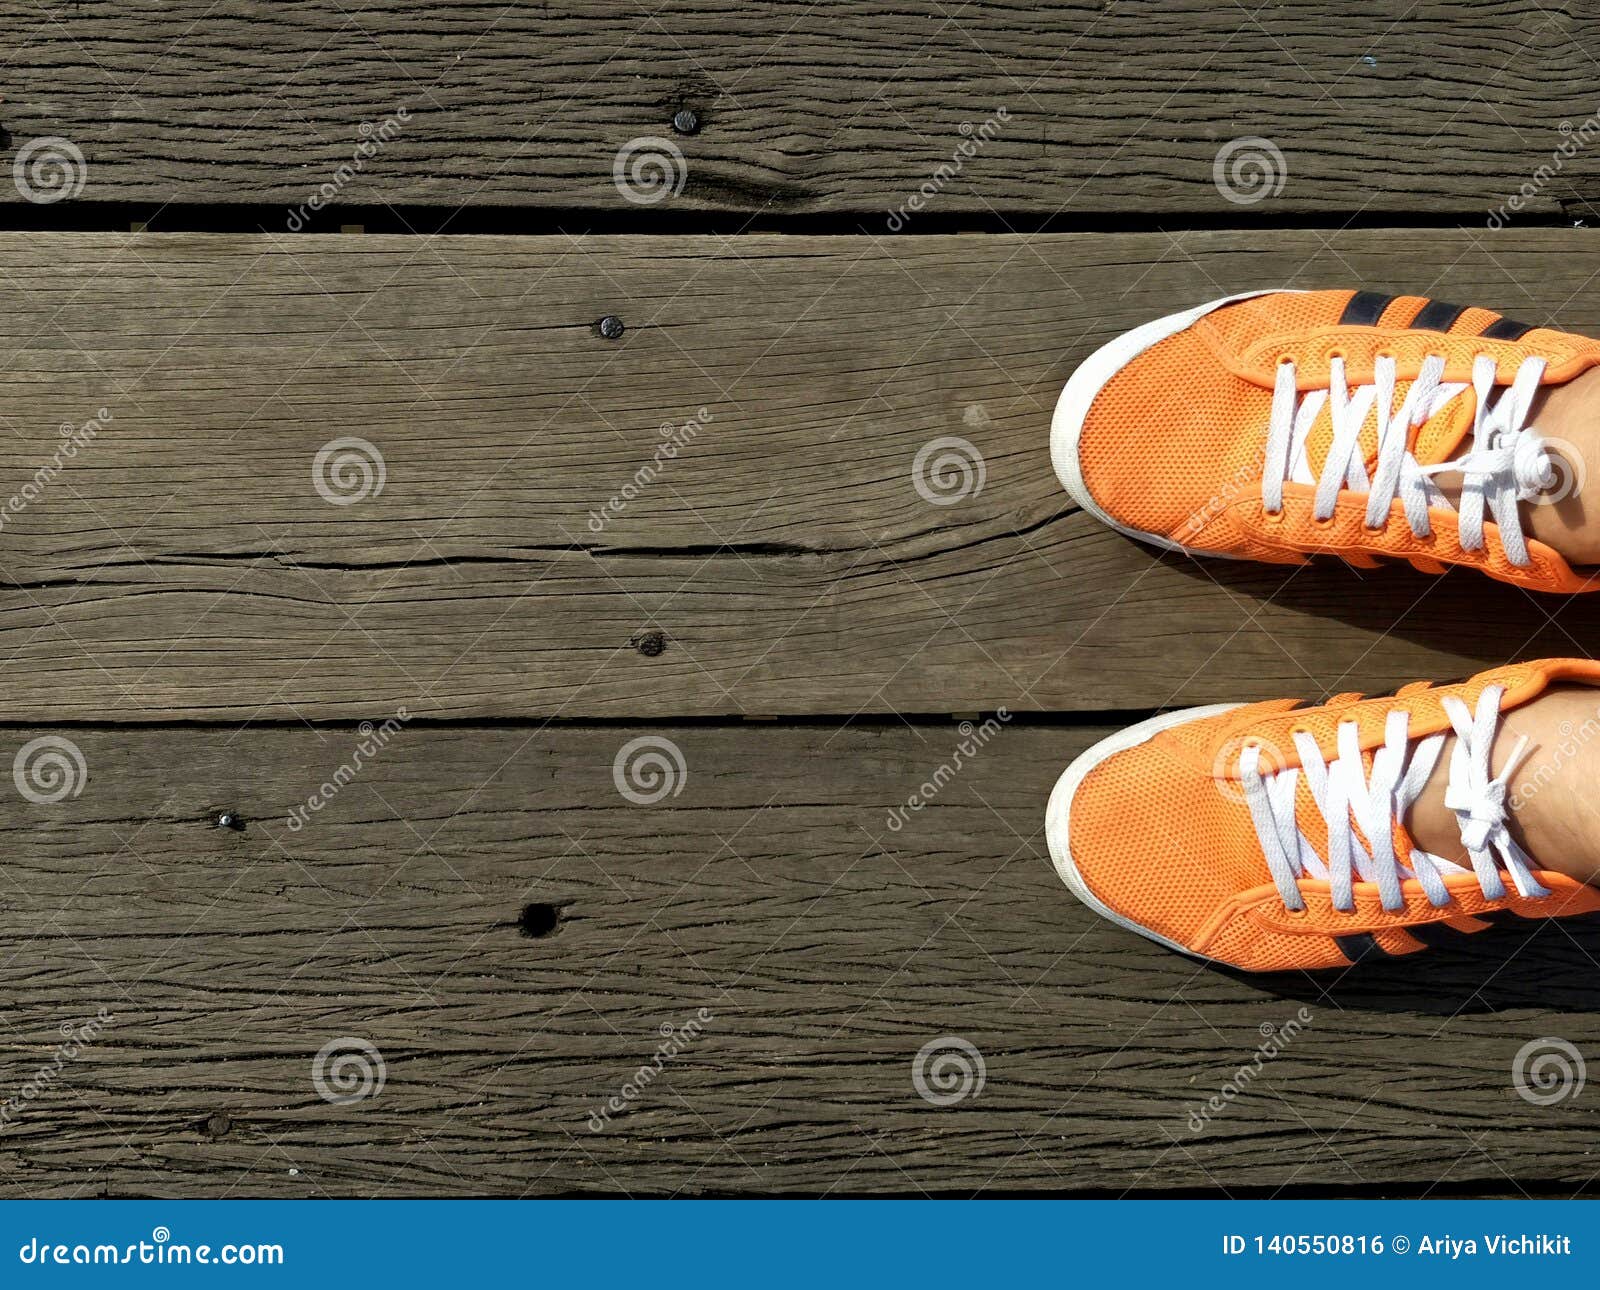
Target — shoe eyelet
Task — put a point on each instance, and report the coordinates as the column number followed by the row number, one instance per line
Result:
column 1325, row 523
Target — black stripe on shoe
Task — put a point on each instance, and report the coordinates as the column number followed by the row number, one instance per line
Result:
column 1506, row 918
column 1506, row 329
column 1364, row 309
column 1437, row 315
column 1435, row 935
column 1363, row 945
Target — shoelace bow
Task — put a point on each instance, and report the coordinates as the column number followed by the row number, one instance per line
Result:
column 1507, row 463
column 1343, row 790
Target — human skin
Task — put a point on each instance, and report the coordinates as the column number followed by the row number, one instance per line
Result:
column 1554, row 810
column 1555, row 813
column 1568, row 416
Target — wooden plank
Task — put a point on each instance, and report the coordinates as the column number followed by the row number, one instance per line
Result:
column 1444, row 106
column 533, row 550
column 182, row 563
column 825, row 947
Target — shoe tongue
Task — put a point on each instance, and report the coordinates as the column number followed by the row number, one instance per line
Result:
column 1435, row 440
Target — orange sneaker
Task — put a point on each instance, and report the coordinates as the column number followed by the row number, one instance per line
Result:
column 1275, row 425
column 1268, row 836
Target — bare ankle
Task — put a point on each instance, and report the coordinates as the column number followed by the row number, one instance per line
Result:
column 1568, row 418
column 1554, row 814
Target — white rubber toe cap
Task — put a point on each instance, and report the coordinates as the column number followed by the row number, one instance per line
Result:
column 1080, row 392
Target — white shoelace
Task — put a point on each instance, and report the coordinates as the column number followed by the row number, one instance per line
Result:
column 1342, row 790
column 1507, row 463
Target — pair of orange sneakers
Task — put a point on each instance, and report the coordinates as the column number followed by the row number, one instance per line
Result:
column 1276, row 426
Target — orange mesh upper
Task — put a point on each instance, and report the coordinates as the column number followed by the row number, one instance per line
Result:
column 1161, row 832
column 1173, row 444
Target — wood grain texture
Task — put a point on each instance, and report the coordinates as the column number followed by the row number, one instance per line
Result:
column 826, row 949
column 841, row 107
column 183, row 564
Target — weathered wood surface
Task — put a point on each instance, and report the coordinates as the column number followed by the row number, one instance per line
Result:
column 1448, row 106
column 826, row 949
column 183, row 564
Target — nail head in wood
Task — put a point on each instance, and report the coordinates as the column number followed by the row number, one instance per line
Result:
column 611, row 327
column 651, row 644
column 685, row 121
column 229, row 820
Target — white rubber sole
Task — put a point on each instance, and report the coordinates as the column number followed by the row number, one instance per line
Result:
column 1084, row 387
column 1057, row 813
